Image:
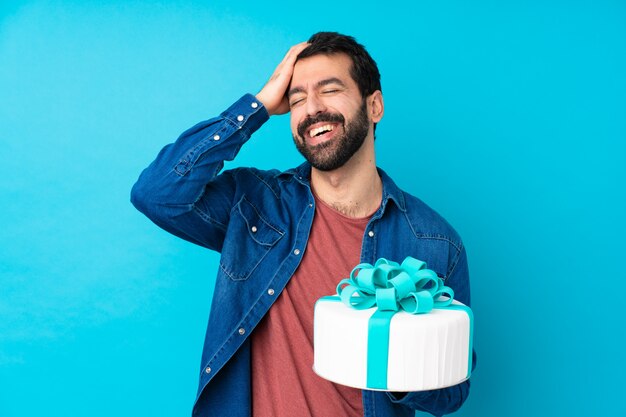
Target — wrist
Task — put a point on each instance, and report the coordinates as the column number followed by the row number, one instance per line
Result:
column 263, row 101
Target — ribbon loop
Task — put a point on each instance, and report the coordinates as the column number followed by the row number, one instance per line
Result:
column 386, row 299
column 390, row 286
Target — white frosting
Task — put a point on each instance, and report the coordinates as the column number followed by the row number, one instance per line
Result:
column 426, row 351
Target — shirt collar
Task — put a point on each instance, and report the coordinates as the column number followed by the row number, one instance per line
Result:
column 391, row 191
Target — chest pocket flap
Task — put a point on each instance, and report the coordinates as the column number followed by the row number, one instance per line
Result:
column 260, row 230
column 249, row 238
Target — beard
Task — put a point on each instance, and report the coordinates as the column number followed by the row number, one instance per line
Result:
column 334, row 153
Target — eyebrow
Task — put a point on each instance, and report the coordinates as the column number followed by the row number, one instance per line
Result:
column 322, row 83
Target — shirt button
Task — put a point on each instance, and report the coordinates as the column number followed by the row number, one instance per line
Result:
column 240, row 118
column 216, row 137
column 254, row 229
column 254, row 104
column 207, row 370
column 242, row 331
column 296, row 252
column 310, row 204
column 270, row 291
column 371, row 234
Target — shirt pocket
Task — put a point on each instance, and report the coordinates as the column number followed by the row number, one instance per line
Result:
column 249, row 238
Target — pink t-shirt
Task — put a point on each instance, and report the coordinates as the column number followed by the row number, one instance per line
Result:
column 283, row 381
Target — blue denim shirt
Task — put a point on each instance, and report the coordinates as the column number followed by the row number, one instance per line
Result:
column 260, row 221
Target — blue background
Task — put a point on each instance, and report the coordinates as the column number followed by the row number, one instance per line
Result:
column 509, row 118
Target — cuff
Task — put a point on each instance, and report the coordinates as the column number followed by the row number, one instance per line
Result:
column 247, row 113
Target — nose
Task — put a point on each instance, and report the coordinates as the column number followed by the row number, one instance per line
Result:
column 314, row 105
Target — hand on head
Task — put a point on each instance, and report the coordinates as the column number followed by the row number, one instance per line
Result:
column 273, row 94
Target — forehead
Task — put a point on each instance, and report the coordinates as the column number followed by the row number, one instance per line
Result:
column 319, row 67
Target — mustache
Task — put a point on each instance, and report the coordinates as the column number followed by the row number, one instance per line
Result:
column 321, row 117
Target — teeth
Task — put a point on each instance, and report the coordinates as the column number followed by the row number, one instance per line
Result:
column 321, row 129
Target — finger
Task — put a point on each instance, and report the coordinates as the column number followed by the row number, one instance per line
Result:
column 293, row 52
column 290, row 57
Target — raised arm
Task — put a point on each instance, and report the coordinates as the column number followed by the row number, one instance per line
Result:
column 181, row 190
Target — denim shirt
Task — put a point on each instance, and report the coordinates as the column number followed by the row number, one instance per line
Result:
column 260, row 222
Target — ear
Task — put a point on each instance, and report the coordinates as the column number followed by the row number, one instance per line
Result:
column 376, row 106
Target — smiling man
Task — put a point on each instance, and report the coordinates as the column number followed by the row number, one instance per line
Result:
column 318, row 102
column 287, row 238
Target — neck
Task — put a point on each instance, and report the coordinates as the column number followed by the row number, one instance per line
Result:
column 355, row 189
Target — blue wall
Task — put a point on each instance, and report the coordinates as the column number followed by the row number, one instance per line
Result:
column 509, row 118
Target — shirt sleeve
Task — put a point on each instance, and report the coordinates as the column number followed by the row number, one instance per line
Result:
column 445, row 400
column 181, row 190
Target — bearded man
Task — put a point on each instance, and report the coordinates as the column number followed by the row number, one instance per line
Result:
column 286, row 238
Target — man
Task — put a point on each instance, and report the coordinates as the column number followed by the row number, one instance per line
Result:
column 287, row 238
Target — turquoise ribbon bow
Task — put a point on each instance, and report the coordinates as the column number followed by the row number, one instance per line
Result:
column 392, row 287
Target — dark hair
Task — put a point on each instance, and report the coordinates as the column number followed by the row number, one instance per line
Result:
column 364, row 70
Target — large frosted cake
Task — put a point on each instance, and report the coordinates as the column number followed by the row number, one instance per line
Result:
column 381, row 349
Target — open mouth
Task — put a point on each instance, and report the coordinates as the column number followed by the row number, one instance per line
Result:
column 319, row 128
column 318, row 131
column 321, row 132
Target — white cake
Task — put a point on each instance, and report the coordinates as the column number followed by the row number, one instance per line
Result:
column 425, row 351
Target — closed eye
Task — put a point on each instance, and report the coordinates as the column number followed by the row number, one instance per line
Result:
column 295, row 102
